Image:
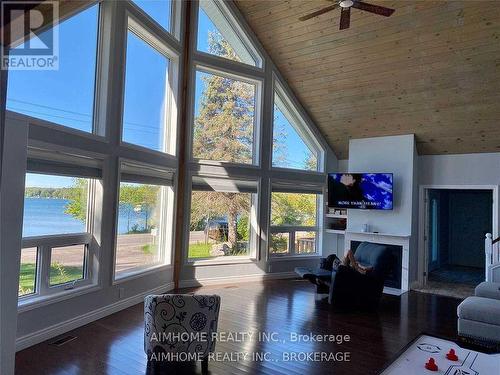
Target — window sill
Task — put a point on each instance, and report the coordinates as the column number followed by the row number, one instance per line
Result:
column 140, row 272
column 35, row 302
column 279, row 258
column 220, row 261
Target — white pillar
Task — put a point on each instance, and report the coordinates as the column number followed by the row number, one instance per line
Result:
column 11, row 223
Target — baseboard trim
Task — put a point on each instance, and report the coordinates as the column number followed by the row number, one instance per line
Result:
column 235, row 279
column 70, row 324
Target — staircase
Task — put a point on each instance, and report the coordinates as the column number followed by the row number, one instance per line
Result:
column 492, row 250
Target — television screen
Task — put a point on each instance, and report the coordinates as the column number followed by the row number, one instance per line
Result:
column 369, row 191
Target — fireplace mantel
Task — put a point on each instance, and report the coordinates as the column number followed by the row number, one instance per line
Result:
column 402, row 240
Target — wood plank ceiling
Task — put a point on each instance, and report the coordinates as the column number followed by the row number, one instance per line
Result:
column 432, row 69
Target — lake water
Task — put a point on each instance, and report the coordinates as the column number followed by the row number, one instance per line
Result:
column 44, row 216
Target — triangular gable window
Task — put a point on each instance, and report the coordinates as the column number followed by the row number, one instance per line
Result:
column 219, row 34
column 293, row 146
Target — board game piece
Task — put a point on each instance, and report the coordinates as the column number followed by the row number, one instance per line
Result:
column 452, row 356
column 412, row 359
column 431, row 365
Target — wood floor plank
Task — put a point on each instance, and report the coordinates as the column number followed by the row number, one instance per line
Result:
column 113, row 345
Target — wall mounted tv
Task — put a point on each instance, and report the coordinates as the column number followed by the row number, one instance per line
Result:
column 367, row 191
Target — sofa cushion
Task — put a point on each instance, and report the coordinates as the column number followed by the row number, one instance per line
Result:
column 479, row 309
column 375, row 255
column 488, row 290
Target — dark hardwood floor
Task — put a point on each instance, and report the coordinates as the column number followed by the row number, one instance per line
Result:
column 114, row 345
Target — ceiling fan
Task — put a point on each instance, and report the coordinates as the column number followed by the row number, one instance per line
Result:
column 345, row 15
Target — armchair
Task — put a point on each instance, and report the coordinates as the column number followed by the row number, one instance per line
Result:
column 180, row 324
column 349, row 288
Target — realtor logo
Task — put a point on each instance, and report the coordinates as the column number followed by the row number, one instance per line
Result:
column 30, row 35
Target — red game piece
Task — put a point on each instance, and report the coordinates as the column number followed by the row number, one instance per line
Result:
column 452, row 356
column 431, row 365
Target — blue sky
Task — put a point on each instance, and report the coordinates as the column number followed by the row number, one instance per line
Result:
column 66, row 96
column 40, row 180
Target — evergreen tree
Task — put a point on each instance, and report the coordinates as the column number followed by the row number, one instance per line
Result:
column 223, row 130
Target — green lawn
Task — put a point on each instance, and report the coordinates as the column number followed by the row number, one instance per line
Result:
column 202, row 250
column 199, row 250
column 149, row 248
column 58, row 275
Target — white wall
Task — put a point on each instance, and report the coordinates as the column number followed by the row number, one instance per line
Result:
column 390, row 155
column 429, row 170
column 465, row 169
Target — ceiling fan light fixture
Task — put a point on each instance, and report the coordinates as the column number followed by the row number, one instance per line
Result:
column 346, row 3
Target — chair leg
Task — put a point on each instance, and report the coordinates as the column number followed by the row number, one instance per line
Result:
column 204, row 365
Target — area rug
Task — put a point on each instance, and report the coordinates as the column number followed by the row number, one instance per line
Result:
column 425, row 349
column 447, row 289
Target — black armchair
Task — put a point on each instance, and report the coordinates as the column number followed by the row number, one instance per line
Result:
column 349, row 288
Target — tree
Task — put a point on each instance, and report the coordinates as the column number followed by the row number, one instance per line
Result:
column 311, row 161
column 280, row 148
column 293, row 209
column 77, row 196
column 211, row 205
column 132, row 196
column 223, row 130
column 224, row 126
column 142, row 198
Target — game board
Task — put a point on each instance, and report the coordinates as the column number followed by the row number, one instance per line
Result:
column 412, row 361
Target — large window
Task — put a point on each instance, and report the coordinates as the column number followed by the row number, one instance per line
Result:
column 56, row 240
column 224, row 124
column 141, row 227
column 221, row 221
column 220, row 35
column 64, row 96
column 293, row 147
column 146, row 116
column 54, row 205
column 159, row 10
column 294, row 225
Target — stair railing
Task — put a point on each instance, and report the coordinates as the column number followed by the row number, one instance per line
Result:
column 492, row 252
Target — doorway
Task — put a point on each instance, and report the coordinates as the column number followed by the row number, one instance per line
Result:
column 457, row 221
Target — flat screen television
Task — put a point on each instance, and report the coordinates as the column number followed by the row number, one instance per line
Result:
column 367, row 191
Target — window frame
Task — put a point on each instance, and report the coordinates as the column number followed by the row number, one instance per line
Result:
column 240, row 32
column 158, row 43
column 258, row 83
column 155, row 177
column 254, row 240
column 45, row 244
column 300, row 126
column 293, row 229
column 174, row 17
column 94, row 133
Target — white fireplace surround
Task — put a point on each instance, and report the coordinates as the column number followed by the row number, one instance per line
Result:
column 402, row 240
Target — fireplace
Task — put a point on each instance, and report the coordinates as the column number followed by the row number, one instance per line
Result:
column 393, row 280
column 399, row 279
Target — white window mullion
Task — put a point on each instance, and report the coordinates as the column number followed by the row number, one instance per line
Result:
column 44, row 273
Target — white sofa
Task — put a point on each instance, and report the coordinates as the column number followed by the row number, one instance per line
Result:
column 479, row 316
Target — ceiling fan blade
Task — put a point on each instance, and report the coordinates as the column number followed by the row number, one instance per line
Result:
column 318, row 12
column 377, row 9
column 345, row 18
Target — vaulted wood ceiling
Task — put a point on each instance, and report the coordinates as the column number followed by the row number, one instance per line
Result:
column 432, row 69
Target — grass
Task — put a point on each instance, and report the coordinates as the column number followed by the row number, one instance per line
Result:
column 149, row 248
column 58, row 275
column 202, row 250
column 199, row 250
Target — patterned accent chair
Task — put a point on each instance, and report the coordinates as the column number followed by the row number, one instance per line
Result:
column 180, row 327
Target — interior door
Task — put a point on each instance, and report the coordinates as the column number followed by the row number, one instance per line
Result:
column 433, row 227
column 470, row 219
